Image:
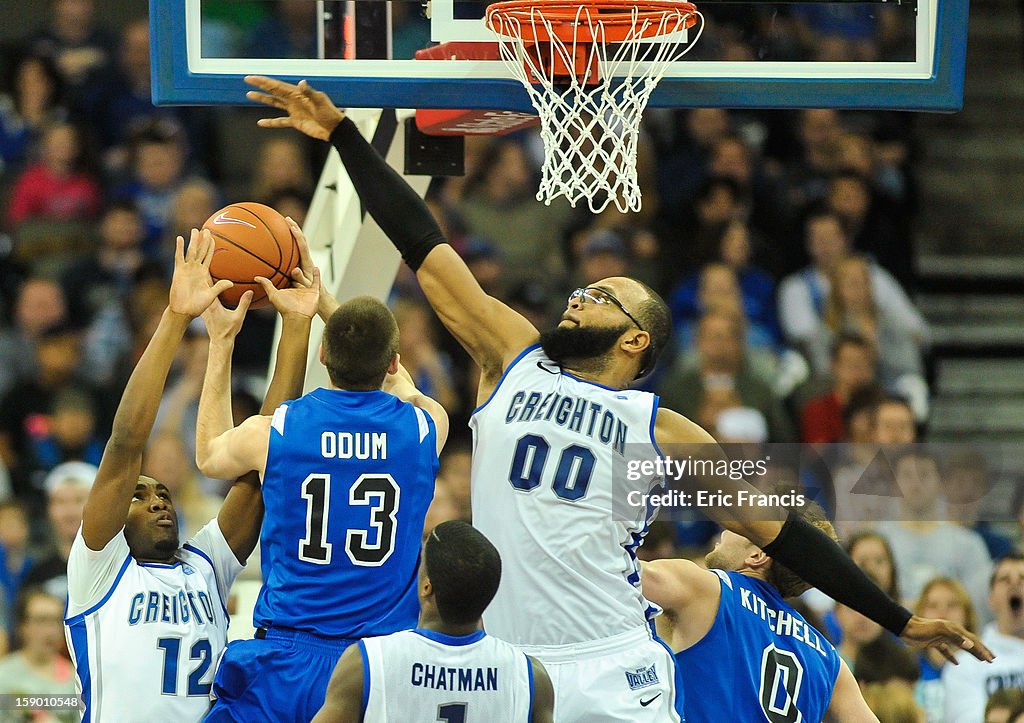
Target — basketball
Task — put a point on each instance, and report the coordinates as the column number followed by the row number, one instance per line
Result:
column 251, row 240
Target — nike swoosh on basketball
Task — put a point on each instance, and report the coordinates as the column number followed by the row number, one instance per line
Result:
column 223, row 218
column 645, row 703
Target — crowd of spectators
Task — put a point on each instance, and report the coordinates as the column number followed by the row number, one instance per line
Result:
column 782, row 242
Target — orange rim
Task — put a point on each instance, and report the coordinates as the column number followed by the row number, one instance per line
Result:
column 616, row 19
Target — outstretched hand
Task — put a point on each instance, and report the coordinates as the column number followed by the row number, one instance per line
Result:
column 302, row 275
column 946, row 637
column 309, row 111
column 300, row 300
column 222, row 323
column 192, row 288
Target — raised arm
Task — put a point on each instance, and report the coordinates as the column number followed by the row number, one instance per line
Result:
column 490, row 331
column 344, row 700
column 192, row 290
column 402, row 386
column 241, row 515
column 805, row 549
column 224, row 451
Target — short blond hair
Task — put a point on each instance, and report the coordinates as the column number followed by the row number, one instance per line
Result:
column 970, row 616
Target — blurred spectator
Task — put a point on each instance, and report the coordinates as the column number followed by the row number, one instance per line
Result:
column 969, row 684
column 192, row 203
column 946, row 598
column 487, row 264
column 855, row 632
column 695, row 238
column 807, row 175
column 59, row 186
column 1003, row 706
column 852, row 369
column 857, row 154
column 167, row 459
column 966, row 483
column 499, row 204
column 288, row 32
column 426, row 363
column 683, row 166
column 25, row 407
column 67, row 488
column 280, row 163
column 871, row 223
column 39, row 306
column 442, row 507
column 852, row 307
column 894, row 422
column 755, row 288
column 106, row 275
column 39, row 665
column 34, row 102
column 157, row 169
column 123, row 101
column 893, row 702
column 290, row 201
column 15, row 557
column 803, row 295
column 720, row 377
column 600, row 254
column 69, row 433
column 456, row 464
column 732, row 158
column 925, row 543
column 885, row 659
column 81, row 48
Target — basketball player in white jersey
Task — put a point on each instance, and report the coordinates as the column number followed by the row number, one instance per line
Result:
column 447, row 669
column 554, row 422
column 146, row 618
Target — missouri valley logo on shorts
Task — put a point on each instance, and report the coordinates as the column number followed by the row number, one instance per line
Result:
column 642, row 678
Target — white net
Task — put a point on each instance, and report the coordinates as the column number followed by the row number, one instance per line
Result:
column 590, row 129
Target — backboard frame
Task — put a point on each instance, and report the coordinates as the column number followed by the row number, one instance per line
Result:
column 182, row 77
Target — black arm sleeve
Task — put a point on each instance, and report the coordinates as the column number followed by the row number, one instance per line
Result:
column 812, row 555
column 390, row 201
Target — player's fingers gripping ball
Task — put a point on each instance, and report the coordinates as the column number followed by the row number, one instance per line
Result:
column 251, row 240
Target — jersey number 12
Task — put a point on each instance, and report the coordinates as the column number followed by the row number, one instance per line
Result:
column 379, row 490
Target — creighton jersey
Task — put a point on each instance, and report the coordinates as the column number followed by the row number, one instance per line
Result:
column 348, row 481
column 146, row 637
column 422, row 675
column 549, row 459
column 761, row 661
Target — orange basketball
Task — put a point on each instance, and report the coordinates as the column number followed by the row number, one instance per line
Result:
column 251, row 240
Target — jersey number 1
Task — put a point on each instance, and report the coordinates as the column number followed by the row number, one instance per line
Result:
column 379, row 490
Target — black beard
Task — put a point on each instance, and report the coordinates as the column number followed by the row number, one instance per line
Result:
column 562, row 344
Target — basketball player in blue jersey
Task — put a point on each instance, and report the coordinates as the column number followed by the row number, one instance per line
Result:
column 744, row 654
column 447, row 669
column 555, row 415
column 146, row 617
column 348, row 473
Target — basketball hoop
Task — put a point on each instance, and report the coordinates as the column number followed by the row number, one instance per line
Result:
column 590, row 67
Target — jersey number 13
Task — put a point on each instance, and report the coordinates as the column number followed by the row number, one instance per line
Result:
column 379, row 492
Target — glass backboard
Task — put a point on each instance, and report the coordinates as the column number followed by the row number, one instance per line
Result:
column 841, row 54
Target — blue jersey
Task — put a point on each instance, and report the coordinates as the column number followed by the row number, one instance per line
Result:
column 760, row 661
column 348, row 481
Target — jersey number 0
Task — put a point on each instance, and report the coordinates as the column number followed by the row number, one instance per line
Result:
column 379, row 491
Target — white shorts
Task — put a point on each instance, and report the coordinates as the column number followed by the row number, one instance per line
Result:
column 628, row 678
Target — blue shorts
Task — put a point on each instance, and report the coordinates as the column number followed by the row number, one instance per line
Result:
column 280, row 677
